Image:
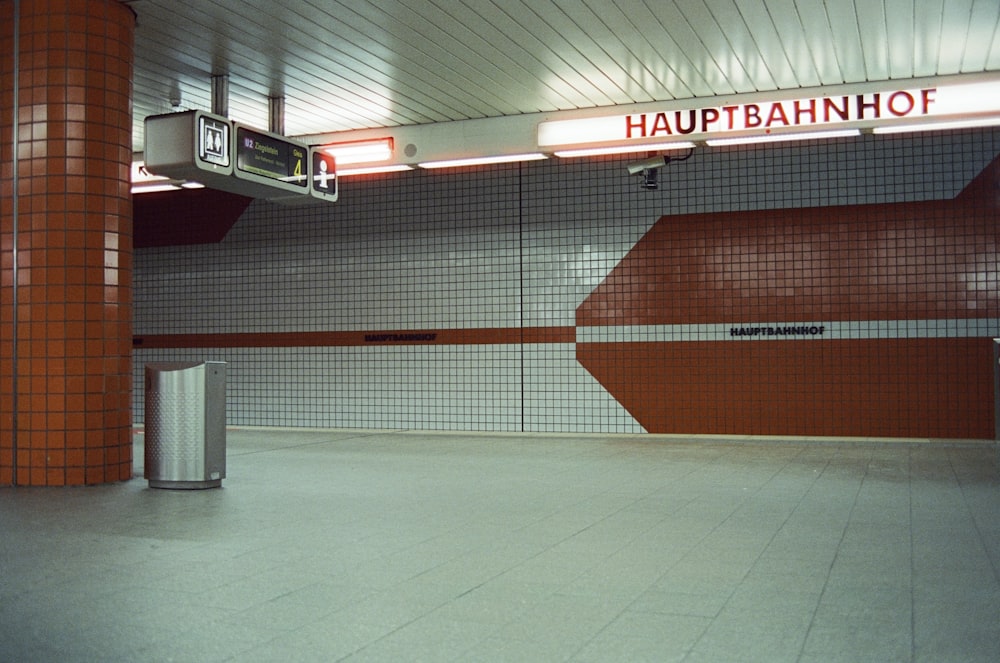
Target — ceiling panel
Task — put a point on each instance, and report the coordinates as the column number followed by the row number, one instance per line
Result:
column 982, row 48
column 770, row 54
column 361, row 64
column 690, row 27
column 846, row 38
column 741, row 40
column 900, row 37
column 927, row 16
column 666, row 52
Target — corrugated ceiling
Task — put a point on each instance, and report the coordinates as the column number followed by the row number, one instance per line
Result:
column 380, row 63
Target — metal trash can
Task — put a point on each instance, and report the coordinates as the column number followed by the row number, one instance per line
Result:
column 185, row 428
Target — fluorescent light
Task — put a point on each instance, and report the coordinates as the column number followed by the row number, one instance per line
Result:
column 623, row 149
column 775, row 138
column 155, row 187
column 362, row 151
column 144, row 181
column 481, row 161
column 371, row 170
column 938, row 126
column 140, row 175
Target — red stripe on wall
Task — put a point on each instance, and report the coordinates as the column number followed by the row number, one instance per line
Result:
column 487, row 336
column 893, row 261
column 923, row 388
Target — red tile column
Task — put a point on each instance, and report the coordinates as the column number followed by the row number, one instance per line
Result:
column 66, row 306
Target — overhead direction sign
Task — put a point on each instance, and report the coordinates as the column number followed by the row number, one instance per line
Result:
column 196, row 146
column 272, row 159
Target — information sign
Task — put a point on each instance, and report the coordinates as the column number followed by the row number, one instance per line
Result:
column 271, row 157
column 204, row 148
column 324, row 175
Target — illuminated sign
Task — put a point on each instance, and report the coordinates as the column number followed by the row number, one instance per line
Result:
column 197, row 147
column 271, row 159
column 870, row 109
column 324, row 175
column 795, row 113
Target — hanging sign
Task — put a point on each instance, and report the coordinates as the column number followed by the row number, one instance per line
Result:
column 272, row 159
column 870, row 109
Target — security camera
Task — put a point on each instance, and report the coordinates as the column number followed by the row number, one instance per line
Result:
column 636, row 167
column 649, row 168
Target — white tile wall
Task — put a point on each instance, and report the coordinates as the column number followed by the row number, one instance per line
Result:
column 505, row 246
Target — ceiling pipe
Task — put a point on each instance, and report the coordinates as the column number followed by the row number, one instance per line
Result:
column 276, row 115
column 220, row 95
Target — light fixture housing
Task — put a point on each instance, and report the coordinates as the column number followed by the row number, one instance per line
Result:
column 360, row 151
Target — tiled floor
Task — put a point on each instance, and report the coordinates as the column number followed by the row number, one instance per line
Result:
column 404, row 546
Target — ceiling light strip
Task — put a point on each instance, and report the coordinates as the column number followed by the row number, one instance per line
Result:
column 372, row 170
column 155, row 187
column 777, row 138
column 623, row 149
column 938, row 126
column 482, row 161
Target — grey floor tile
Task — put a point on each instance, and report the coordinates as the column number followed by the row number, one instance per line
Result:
column 950, row 631
column 638, row 636
column 679, row 603
column 393, row 545
column 761, row 634
column 504, row 649
column 840, row 637
column 431, row 638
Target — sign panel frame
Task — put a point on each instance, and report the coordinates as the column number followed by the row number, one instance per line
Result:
column 272, row 159
column 175, row 145
column 325, row 185
column 214, row 140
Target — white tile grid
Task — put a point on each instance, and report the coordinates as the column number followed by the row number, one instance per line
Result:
column 347, row 387
column 463, row 250
column 548, row 368
column 449, row 387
